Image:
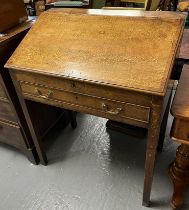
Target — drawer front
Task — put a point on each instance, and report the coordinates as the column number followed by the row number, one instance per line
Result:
column 85, row 88
column 103, row 107
column 2, row 92
column 6, row 112
column 11, row 134
column 180, row 130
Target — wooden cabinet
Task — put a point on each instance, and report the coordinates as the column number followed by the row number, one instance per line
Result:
column 2, row 92
column 11, row 134
column 14, row 129
column 6, row 112
column 179, row 168
column 12, row 13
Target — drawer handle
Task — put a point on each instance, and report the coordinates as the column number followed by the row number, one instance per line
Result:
column 110, row 111
column 45, row 96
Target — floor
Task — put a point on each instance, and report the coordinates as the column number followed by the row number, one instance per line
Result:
column 90, row 168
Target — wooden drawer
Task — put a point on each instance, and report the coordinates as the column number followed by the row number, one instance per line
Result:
column 11, row 134
column 102, row 106
column 180, row 130
column 2, row 92
column 6, row 112
column 76, row 86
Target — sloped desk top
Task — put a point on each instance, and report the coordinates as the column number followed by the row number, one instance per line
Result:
column 127, row 49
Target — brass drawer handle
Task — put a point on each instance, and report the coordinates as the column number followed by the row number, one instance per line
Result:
column 111, row 111
column 45, row 96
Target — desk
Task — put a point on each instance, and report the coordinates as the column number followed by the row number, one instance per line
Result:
column 112, row 64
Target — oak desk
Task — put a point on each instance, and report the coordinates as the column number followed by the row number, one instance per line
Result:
column 112, row 64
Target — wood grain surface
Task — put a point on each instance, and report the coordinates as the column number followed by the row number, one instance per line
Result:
column 112, row 64
column 12, row 13
column 14, row 31
column 2, row 93
column 184, row 49
column 7, row 112
column 178, row 170
column 7, row 41
column 180, row 108
column 128, row 49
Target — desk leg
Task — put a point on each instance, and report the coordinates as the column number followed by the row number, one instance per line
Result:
column 152, row 142
column 149, row 3
column 73, row 121
column 34, row 133
column 32, row 155
column 179, row 174
column 164, row 124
